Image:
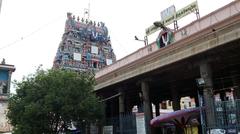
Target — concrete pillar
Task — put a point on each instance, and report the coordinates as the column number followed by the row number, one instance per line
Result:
column 157, row 109
column 121, row 110
column 112, row 109
column 147, row 105
column 175, row 99
column 157, row 129
column 206, row 74
column 121, row 102
column 195, row 96
column 176, row 105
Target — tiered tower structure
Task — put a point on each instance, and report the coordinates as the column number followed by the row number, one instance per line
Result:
column 85, row 46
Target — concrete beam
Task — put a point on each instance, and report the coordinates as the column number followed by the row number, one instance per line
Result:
column 173, row 53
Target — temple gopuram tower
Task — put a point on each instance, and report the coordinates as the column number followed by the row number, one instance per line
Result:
column 85, row 46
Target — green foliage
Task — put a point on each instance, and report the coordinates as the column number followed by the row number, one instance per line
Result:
column 49, row 101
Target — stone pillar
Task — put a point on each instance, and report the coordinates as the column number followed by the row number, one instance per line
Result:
column 175, row 99
column 195, row 96
column 157, row 109
column 157, row 129
column 206, row 74
column 121, row 110
column 121, row 102
column 176, row 105
column 147, row 105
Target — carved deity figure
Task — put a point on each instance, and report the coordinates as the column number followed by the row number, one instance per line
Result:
column 104, row 28
column 165, row 37
column 3, row 61
column 3, row 86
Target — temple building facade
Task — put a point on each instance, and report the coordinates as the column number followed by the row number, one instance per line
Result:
column 85, row 46
column 5, row 81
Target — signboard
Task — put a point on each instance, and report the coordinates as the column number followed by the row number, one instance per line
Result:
column 186, row 10
column 175, row 16
column 168, row 12
column 108, row 130
column 151, row 29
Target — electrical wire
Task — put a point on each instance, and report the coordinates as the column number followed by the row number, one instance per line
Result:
column 119, row 43
column 30, row 34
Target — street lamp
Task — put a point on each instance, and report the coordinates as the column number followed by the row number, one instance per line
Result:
column 145, row 40
column 158, row 24
column 201, row 83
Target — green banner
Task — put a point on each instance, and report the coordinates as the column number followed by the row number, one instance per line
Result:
column 178, row 15
column 186, row 10
column 151, row 29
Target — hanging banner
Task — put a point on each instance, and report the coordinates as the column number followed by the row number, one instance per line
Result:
column 175, row 16
column 151, row 29
column 186, row 10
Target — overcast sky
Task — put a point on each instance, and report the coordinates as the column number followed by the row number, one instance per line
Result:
column 31, row 30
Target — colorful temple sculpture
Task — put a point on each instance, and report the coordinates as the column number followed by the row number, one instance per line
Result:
column 165, row 37
column 5, row 81
column 85, row 46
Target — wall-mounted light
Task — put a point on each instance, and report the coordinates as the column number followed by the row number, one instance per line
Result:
column 200, row 82
column 145, row 40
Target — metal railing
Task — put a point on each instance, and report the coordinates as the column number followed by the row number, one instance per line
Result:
column 227, row 115
column 124, row 124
